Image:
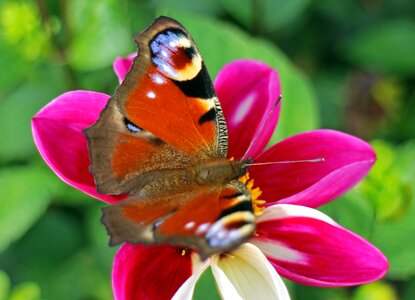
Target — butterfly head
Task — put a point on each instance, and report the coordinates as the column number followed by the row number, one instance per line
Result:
column 243, row 166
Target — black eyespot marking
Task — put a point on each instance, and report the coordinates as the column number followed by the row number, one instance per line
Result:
column 241, row 206
column 131, row 126
column 210, row 115
column 176, row 31
column 190, row 52
column 198, row 87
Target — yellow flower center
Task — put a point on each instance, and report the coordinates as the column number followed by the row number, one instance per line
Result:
column 183, row 251
column 257, row 204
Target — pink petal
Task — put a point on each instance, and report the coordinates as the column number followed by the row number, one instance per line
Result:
column 122, row 65
column 306, row 246
column 57, row 131
column 248, row 91
column 149, row 272
column 347, row 160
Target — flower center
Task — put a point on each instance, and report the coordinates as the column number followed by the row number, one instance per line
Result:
column 257, row 204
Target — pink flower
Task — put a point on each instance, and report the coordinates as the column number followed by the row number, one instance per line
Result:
column 292, row 238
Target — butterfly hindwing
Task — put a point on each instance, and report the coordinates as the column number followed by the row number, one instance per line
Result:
column 211, row 220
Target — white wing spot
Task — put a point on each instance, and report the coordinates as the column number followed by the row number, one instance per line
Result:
column 158, row 79
column 151, row 95
column 164, row 53
column 214, row 230
column 221, row 235
column 202, row 228
column 189, row 225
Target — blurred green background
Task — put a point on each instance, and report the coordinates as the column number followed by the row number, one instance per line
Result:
column 347, row 65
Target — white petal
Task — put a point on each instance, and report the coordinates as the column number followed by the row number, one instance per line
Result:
column 282, row 252
column 280, row 211
column 185, row 292
column 245, row 273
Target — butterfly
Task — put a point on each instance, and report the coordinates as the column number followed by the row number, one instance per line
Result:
column 162, row 141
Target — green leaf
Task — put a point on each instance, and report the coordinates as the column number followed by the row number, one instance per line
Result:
column 352, row 211
column 26, row 291
column 18, row 108
column 385, row 182
column 26, row 192
column 203, row 7
column 388, row 47
column 330, row 88
column 206, row 287
column 409, row 292
column 309, row 292
column 268, row 14
column 391, row 188
column 23, row 40
column 375, row 291
column 405, row 161
column 4, row 285
column 100, row 33
column 340, row 12
column 54, row 238
column 97, row 235
column 299, row 111
column 396, row 240
column 15, row 65
column 55, row 253
column 70, row 196
column 87, row 279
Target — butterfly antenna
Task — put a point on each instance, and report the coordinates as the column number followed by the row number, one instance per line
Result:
column 261, row 128
column 315, row 160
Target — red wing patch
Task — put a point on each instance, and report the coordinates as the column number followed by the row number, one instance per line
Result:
column 156, row 104
column 211, row 221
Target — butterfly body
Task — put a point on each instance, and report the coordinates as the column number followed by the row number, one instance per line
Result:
column 179, row 180
column 162, row 141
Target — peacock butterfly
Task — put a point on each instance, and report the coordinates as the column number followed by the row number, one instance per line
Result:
column 162, row 140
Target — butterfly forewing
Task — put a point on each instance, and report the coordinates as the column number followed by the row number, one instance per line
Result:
column 157, row 104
